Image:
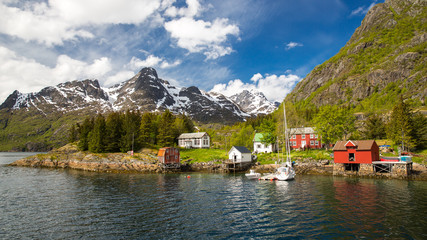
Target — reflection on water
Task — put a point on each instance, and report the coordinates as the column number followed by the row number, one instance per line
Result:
column 50, row 203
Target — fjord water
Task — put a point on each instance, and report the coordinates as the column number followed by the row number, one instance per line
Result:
column 41, row 203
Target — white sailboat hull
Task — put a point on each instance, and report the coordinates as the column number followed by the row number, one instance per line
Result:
column 285, row 173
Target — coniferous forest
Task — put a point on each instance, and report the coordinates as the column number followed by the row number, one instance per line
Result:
column 122, row 132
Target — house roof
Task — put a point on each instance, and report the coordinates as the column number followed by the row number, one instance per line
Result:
column 360, row 145
column 258, row 137
column 302, row 130
column 192, row 135
column 241, row 149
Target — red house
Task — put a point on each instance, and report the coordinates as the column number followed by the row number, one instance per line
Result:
column 356, row 152
column 304, row 137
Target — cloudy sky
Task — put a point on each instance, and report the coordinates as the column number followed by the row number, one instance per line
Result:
column 225, row 46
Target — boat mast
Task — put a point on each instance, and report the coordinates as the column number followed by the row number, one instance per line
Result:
column 288, row 148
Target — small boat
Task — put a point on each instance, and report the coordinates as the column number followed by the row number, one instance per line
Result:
column 252, row 174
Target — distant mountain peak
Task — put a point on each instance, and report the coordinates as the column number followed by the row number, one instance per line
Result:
column 145, row 92
column 253, row 102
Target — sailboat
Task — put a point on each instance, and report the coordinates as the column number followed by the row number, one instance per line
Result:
column 285, row 171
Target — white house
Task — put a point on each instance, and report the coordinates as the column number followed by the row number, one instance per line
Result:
column 194, row 140
column 260, row 147
column 239, row 154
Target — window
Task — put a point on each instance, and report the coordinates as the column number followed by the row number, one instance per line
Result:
column 295, row 143
column 197, row 142
column 311, row 135
column 205, row 142
column 317, row 143
column 294, row 136
column 316, row 136
column 311, row 143
column 258, row 145
column 351, row 157
column 303, row 136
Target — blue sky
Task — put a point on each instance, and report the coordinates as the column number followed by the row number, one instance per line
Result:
column 224, row 46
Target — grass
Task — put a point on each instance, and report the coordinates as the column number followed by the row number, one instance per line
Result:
column 315, row 154
column 203, row 155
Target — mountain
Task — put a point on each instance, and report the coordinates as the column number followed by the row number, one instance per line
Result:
column 144, row 92
column 254, row 102
column 37, row 121
column 386, row 57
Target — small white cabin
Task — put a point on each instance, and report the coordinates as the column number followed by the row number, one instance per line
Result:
column 194, row 140
column 238, row 154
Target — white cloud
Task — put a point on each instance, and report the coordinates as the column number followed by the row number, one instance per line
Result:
column 291, row 45
column 27, row 75
column 362, row 10
column 64, row 20
column 119, row 77
column 275, row 88
column 151, row 61
column 201, row 36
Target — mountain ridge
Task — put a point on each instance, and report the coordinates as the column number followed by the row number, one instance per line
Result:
column 385, row 57
column 144, row 92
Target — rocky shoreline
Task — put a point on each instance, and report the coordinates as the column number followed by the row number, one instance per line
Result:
column 146, row 162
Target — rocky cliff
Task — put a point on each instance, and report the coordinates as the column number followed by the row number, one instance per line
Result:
column 386, row 57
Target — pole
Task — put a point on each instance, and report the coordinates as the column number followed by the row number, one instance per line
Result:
column 133, row 139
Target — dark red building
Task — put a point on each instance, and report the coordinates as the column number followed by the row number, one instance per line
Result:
column 304, row 137
column 356, row 152
column 169, row 157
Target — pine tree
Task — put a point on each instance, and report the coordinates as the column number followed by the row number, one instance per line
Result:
column 131, row 126
column 374, row 127
column 97, row 135
column 420, row 130
column 148, row 130
column 73, row 134
column 400, row 127
column 167, row 131
column 84, row 129
column 114, row 132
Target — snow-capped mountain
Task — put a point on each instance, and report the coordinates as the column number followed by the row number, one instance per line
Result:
column 254, row 102
column 145, row 92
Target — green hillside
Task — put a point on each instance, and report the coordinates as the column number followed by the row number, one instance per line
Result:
column 386, row 57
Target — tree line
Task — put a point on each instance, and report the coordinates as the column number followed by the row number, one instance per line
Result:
column 403, row 126
column 124, row 131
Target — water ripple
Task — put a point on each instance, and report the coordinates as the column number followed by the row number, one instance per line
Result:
column 57, row 204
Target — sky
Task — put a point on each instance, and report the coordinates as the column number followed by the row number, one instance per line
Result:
column 223, row 46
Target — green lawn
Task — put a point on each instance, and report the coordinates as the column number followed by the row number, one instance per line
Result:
column 317, row 154
column 218, row 155
column 203, row 155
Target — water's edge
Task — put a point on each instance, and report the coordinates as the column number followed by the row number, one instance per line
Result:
column 123, row 163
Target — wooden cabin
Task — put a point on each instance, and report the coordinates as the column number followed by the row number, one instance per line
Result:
column 169, row 157
column 356, row 152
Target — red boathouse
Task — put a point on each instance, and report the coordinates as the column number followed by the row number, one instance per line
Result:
column 169, row 157
column 356, row 152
